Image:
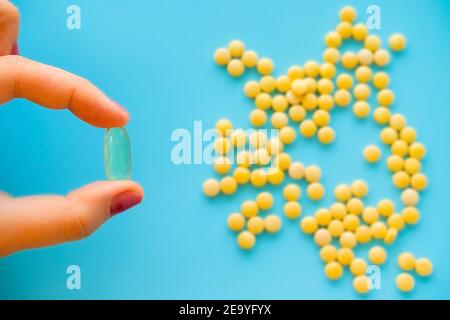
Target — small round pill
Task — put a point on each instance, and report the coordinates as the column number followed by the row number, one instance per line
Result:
column 377, row 255
column 370, row 215
column 338, row 210
column 419, row 181
column 297, row 113
column 299, row 87
column 313, row 173
column 241, row 175
column 238, row 138
column 255, row 225
column 372, row 153
column 258, row 178
column 365, row 57
column 424, row 267
column 355, row 206
column 336, row 228
column 333, row 270
column 246, row 240
column 222, row 165
column 390, row 236
column 211, row 187
column 342, row 192
column 385, row 97
column 361, row 91
column 399, row 148
column 321, row 118
column 412, row 166
column 265, row 66
column 358, row 267
column 283, row 161
column 296, row 170
column 258, row 139
column 283, row 83
column 360, row 32
column 372, row 42
column 382, row 115
column 315, row 191
column 235, row 67
column 348, row 13
column 325, row 135
column 381, row 57
column 388, row 135
column 342, row 98
column 279, row 120
column 228, row 185
column 236, row 48
column 292, row 192
column 322, row 237
column 244, row 159
column 411, row 215
column 359, row 188
column 344, row 81
column 395, row 163
column 222, row 56
column 408, row 135
column 410, row 197
column 331, row 55
column 406, row 261
column 327, row 71
column 261, row 156
column 325, row 86
column 349, row 60
column 328, row 253
column 378, row 230
column 264, row 200
column 351, row 222
column 275, row 176
column 224, row 126
column 345, row 256
column 325, row 102
column 333, row 39
column 361, row 109
column 361, row 284
column 397, row 121
column 308, row 225
column 401, row 179
column 263, row 101
column 308, row 128
column 249, row 208
column 363, row 234
column 268, row 84
column 323, row 216
column 272, row 223
column 347, row 240
column 344, row 29
column 295, row 72
column 386, row 207
column 311, row 68
column 397, row 42
column 236, row 221
column 258, row 118
column 363, row 74
column 309, row 101
column 417, row 150
column 287, row 135
column 381, row 80
column 405, row 282
column 250, row 59
column 292, row 209
column 396, row 221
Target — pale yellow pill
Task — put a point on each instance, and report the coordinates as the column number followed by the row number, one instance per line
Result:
column 296, row 170
column 292, row 98
column 222, row 165
column 348, row 14
column 279, row 120
column 327, row 71
column 408, row 134
column 360, row 32
column 321, row 118
column 390, row 236
column 241, row 175
column 292, row 209
column 382, row 115
column 336, row 228
column 381, row 80
column 333, row 270
column 410, row 197
column 399, row 148
column 363, row 234
column 228, row 185
column 417, row 150
column 283, row 83
column 419, row 181
column 222, row 56
column 342, row 192
column 401, row 179
column 250, row 59
column 295, row 72
column 360, row 188
column 211, row 187
column 264, row 200
column 328, row 253
column 235, row 67
column 236, row 221
column 365, row 57
column 351, row 222
column 370, row 215
column 349, row 60
column 315, row 191
column 283, row 161
column 338, row 210
column 322, row 237
column 386, row 97
column 358, row 267
column 238, row 138
column 263, row 101
column 344, row 29
column 272, row 223
column 297, row 113
column 396, row 221
column 331, row 55
column 395, row 163
column 249, row 208
column 224, row 126
column 313, row 173
column 406, row 261
column 255, row 225
column 378, row 230
column 323, row 216
column 344, row 81
column 261, row 156
column 326, row 135
column 275, row 176
column 372, row 153
column 388, row 135
column 411, row 215
column 355, row 206
column 287, row 135
column 333, row 39
column 236, row 48
column 268, row 84
column 311, row 68
column 363, row 74
column 377, row 255
column 397, row 42
column 361, row 109
column 372, row 42
column 345, row 256
column 412, row 166
column 325, row 102
column 308, row 225
column 265, row 66
column 386, row 207
column 397, row 121
column 258, row 118
column 292, row 192
column 246, row 240
column 347, row 240
column 279, row 103
column 325, row 86
column 342, row 97
column 309, row 101
column 299, row 87
column 381, row 57
column 361, row 284
column 424, row 267
column 361, row 91
column 258, row 178
column 405, row 282
column 244, row 159
column 308, row 128
column 258, row 139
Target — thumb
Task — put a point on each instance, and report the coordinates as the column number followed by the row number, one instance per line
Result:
column 41, row 221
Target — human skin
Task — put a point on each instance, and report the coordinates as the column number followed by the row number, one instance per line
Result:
column 40, row 221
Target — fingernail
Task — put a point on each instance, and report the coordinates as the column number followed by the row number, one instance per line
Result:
column 124, row 201
column 15, row 49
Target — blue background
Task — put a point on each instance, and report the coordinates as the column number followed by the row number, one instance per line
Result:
column 155, row 58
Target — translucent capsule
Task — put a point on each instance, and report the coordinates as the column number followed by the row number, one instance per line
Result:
column 117, row 150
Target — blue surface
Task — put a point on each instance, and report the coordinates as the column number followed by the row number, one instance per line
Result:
column 154, row 57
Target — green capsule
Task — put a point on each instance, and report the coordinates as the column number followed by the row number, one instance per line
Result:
column 117, row 154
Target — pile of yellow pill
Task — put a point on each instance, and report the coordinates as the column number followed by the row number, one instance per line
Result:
column 301, row 102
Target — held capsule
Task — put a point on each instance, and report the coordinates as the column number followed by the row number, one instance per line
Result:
column 117, row 154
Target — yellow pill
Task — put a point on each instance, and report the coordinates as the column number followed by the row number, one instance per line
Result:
column 322, row 237
column 361, row 284
column 282, row 161
column 325, row 86
column 311, row 68
column 363, row 74
column 250, row 59
column 360, row 32
column 381, row 80
column 408, row 135
column 246, row 240
column 235, row 67
column 258, row 118
column 292, row 98
column 258, row 139
column 349, row 60
column 265, row 66
column 424, row 267
column 308, row 128
column 275, row 146
column 365, row 57
column 405, row 282
column 359, row 188
column 313, row 173
column 331, row 55
column 297, row 113
column 358, row 267
column 311, row 85
column 347, row 240
column 370, row 215
column 308, row 225
column 410, row 197
column 399, row 148
column 264, row 200
column 361, row 91
column 419, row 181
column 372, row 42
column 299, row 87
column 328, row 253
column 344, row 81
column 238, row 138
column 211, row 187
column 222, row 165
column 351, row 222
column 355, row 206
column 397, row 42
column 406, row 261
column 258, row 178
column 333, row 270
column 378, row 230
column 236, row 221
column 279, row 120
column 222, row 56
column 372, row 153
column 336, row 228
column 268, row 84
column 412, row 166
column 327, row 71
column 228, row 185
column 321, row 118
column 275, row 176
column 249, row 208
column 344, row 29
column 382, row 115
column 348, row 14
column 363, row 234
column 401, row 179
column 325, row 135
column 386, row 97
column 261, row 157
column 377, row 255
column 395, row 163
column 263, row 101
column 292, row 209
column 343, row 192
column 236, row 48
column 345, row 256
column 295, row 72
column 224, row 126
column 244, row 159
column 411, row 215
column 388, row 135
column 272, row 223
column 296, row 170
column 292, row 192
column 338, row 210
column 386, row 207
column 255, row 225
column 396, row 221
column 342, row 97
column 283, row 83
column 417, row 150
column 287, row 135
column 381, row 57
column 241, row 175
column 361, row 109
column 333, row 39
column 323, row 216
column 309, row 101
column 325, row 102
column 397, row 121
column 390, row 236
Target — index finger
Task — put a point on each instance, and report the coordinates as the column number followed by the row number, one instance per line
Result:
column 54, row 88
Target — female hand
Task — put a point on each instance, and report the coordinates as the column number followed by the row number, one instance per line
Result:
column 38, row 221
